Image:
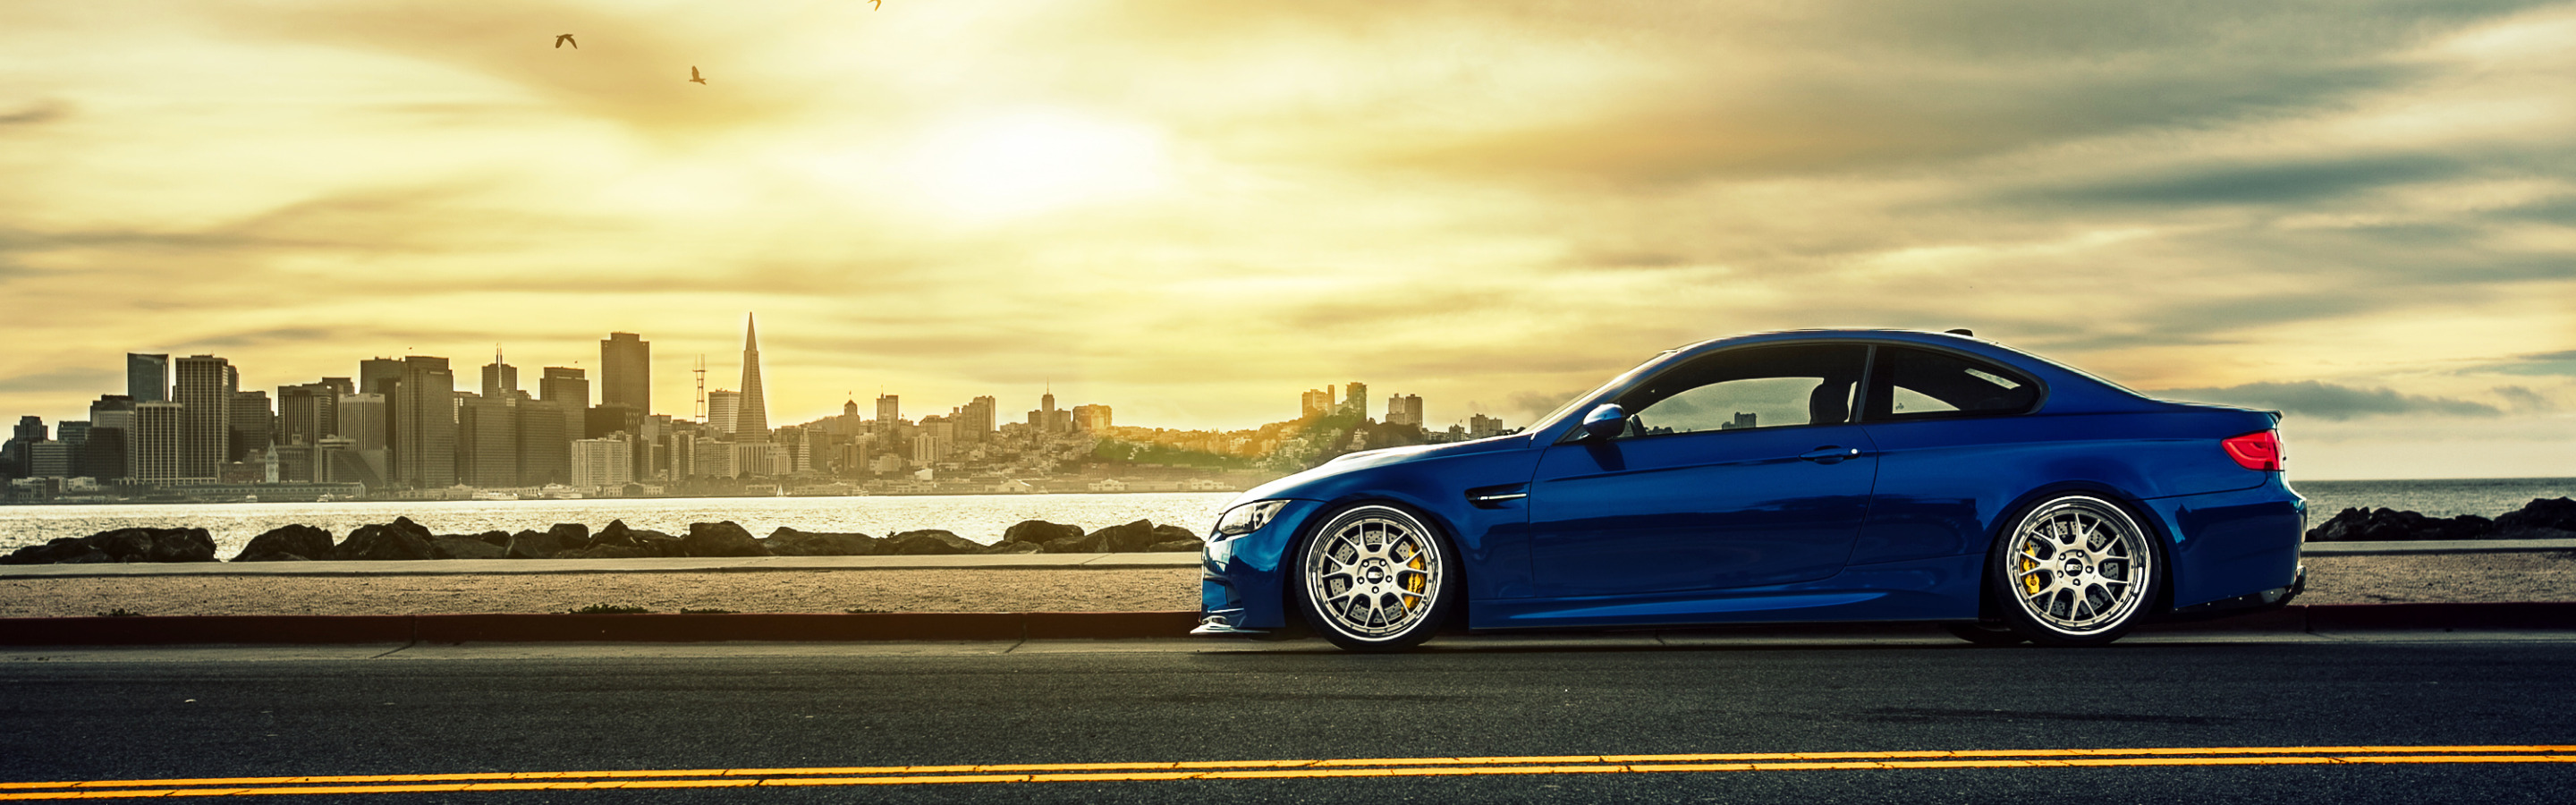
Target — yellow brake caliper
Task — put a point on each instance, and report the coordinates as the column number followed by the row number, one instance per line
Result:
column 1415, row 583
column 2029, row 580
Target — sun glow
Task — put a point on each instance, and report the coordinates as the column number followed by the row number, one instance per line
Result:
column 1013, row 165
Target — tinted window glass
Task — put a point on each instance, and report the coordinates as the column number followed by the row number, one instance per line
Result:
column 1918, row 383
column 1757, row 387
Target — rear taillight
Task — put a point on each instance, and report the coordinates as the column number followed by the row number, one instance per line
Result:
column 2260, row 450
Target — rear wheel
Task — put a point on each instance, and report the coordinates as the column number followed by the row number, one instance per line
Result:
column 1375, row 578
column 2075, row 570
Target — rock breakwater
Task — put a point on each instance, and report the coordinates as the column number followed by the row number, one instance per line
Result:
column 404, row 540
column 2542, row 518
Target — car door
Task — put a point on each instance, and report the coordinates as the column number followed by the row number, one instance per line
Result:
column 1741, row 468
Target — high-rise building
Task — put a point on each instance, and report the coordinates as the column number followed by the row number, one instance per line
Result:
column 1091, row 418
column 310, row 411
column 378, row 376
column 154, row 443
column 49, row 459
column 424, row 417
column 545, row 451
column 1355, row 399
column 751, row 423
column 14, row 452
column 724, row 411
column 975, row 420
column 147, row 376
column 602, row 464
column 499, row 377
column 74, row 434
column 204, row 384
column 889, row 409
column 1404, row 409
column 626, row 372
column 569, row 389
column 1315, row 403
column 254, row 426
column 362, row 422
column 1480, row 426
column 1046, row 412
column 487, row 441
column 109, row 456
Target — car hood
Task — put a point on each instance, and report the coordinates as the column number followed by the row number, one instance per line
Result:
column 1369, row 459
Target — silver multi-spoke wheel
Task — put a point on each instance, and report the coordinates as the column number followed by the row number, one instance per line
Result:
column 1375, row 577
column 2078, row 567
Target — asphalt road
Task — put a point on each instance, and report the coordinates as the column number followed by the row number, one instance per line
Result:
column 223, row 713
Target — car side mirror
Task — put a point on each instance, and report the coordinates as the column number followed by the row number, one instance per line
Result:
column 1605, row 421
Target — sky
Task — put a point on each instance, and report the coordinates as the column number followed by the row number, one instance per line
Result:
column 2363, row 214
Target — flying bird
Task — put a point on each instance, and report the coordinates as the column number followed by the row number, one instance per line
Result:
column 693, row 74
column 560, row 39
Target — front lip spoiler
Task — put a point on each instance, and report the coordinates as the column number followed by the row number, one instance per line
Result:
column 1215, row 625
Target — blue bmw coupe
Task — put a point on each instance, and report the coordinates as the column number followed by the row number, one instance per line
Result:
column 1820, row 475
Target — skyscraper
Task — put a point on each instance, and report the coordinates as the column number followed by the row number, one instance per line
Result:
column 751, row 423
column 889, row 409
column 1404, row 409
column 153, row 446
column 487, row 441
column 254, row 426
column 569, row 390
column 204, row 385
column 499, row 377
column 1355, row 399
column 626, row 372
column 424, row 416
column 147, row 376
column 724, row 411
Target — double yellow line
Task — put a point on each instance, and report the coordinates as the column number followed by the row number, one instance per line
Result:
column 1277, row 769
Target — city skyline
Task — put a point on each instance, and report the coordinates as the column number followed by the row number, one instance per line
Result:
column 2358, row 215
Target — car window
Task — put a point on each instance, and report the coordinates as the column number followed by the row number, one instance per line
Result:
column 1755, row 387
column 1923, row 384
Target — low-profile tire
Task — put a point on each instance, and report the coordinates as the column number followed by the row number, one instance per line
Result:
column 2074, row 570
column 1987, row 635
column 1375, row 578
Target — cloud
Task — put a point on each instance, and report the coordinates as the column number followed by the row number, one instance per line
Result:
column 43, row 111
column 2525, row 401
column 2329, row 401
column 2257, row 182
column 2546, row 363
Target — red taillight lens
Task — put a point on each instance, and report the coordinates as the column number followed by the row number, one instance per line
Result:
column 2260, row 450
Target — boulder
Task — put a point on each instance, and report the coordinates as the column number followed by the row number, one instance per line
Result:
column 1040, row 532
column 2357, row 525
column 720, row 539
column 1126, row 538
column 570, row 535
column 1014, row 547
column 464, row 546
column 2557, row 514
column 400, row 540
column 616, row 533
column 287, row 543
column 1173, row 533
column 791, row 542
column 120, row 545
column 60, row 551
column 1191, row 545
column 655, row 543
column 535, row 545
column 497, row 538
column 930, row 542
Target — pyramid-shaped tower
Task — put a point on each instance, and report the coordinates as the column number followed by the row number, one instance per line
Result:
column 751, row 423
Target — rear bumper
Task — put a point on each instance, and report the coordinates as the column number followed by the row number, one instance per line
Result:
column 2228, row 545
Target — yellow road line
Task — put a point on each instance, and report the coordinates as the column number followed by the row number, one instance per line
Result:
column 1285, row 769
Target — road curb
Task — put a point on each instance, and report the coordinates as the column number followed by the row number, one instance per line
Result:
column 991, row 626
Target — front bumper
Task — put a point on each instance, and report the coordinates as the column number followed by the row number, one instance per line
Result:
column 1241, row 579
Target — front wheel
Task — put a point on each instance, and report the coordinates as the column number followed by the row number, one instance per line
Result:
column 1375, row 578
column 2075, row 570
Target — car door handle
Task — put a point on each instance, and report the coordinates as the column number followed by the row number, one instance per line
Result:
column 1830, row 454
